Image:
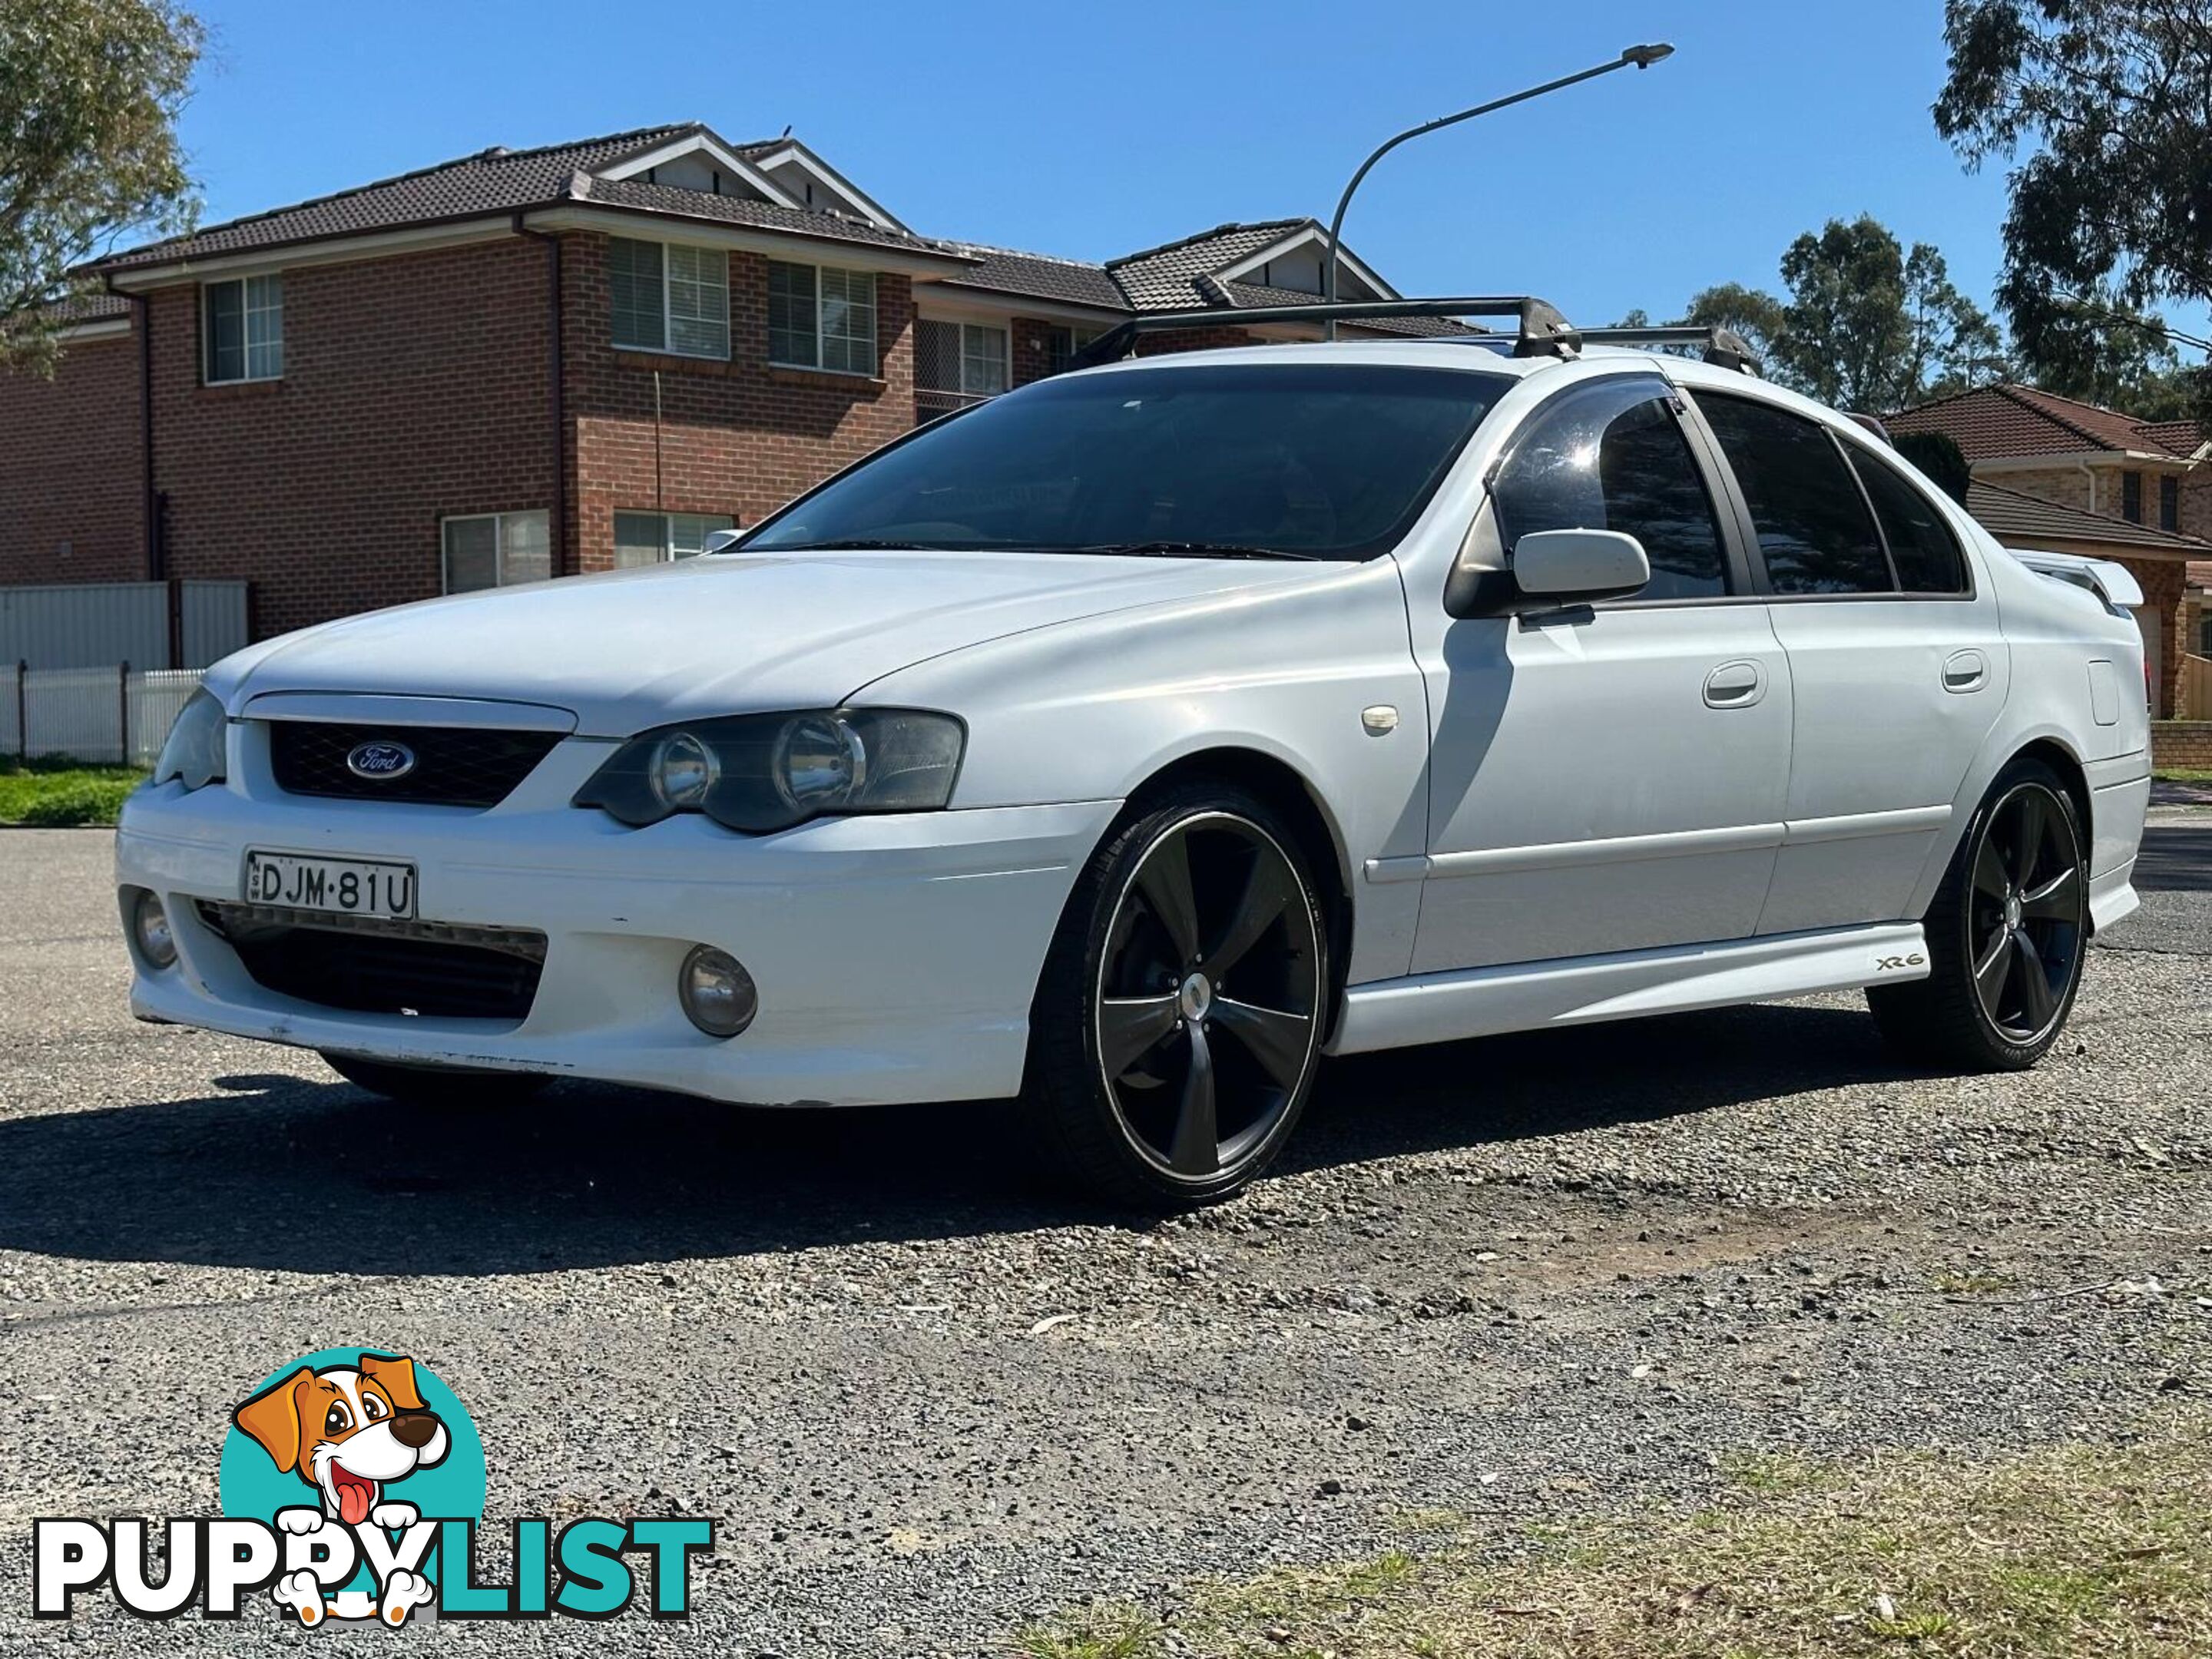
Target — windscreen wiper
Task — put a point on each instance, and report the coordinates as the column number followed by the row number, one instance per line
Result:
column 844, row 544
column 850, row 545
column 1193, row 550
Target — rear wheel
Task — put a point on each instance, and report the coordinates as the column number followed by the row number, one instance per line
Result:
column 1178, row 1020
column 444, row 1088
column 2006, row 934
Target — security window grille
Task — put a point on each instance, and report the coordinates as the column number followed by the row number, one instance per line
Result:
column 2169, row 502
column 496, row 550
column 668, row 297
column 2132, row 497
column 819, row 316
column 245, row 329
column 956, row 364
column 655, row 537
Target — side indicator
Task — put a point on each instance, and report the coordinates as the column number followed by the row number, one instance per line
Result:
column 1379, row 720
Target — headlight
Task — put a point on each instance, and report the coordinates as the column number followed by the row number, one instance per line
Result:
column 681, row 772
column 194, row 752
column 759, row 773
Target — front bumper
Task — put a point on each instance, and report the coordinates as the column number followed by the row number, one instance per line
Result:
column 897, row 955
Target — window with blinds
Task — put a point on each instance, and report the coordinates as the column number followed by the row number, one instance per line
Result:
column 655, row 537
column 494, row 550
column 666, row 296
column 820, row 317
column 244, row 329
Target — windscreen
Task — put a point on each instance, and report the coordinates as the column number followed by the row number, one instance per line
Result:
column 1309, row 460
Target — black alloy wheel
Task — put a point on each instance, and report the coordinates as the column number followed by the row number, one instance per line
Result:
column 1195, row 952
column 1208, row 1005
column 2007, row 935
column 2027, row 913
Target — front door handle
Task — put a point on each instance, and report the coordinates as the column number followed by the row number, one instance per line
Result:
column 1736, row 685
column 1966, row 670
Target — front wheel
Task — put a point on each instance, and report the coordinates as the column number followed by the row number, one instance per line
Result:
column 2006, row 935
column 1178, row 1020
column 440, row 1088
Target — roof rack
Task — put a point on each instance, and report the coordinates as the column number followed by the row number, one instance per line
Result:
column 1542, row 331
column 1724, row 347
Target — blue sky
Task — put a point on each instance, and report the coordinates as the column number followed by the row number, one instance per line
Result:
column 1091, row 130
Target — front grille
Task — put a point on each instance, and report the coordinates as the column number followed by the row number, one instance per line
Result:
column 454, row 765
column 369, row 965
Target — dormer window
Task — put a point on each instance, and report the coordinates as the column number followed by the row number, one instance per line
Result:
column 669, row 297
column 243, row 328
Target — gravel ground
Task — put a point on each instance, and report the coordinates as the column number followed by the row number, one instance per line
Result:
column 1496, row 1278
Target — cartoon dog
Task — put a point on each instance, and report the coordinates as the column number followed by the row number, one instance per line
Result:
column 348, row 1431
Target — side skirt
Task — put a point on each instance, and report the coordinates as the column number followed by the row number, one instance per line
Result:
column 1442, row 1007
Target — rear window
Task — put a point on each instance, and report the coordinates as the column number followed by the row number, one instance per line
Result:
column 1921, row 545
column 1815, row 533
column 1326, row 460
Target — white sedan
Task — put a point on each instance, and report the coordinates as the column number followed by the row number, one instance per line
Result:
column 1132, row 741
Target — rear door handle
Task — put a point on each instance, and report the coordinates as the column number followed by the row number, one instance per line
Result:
column 1965, row 671
column 1736, row 685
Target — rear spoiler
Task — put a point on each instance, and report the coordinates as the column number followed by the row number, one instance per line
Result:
column 2112, row 583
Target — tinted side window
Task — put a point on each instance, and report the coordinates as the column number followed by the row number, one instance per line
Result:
column 1811, row 521
column 1921, row 545
column 1612, row 456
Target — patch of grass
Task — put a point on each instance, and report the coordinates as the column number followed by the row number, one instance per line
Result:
column 1108, row 1630
column 2065, row 1551
column 1766, row 1475
column 1427, row 1521
column 2182, row 774
column 54, row 794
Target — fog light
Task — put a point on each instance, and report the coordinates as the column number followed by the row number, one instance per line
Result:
column 717, row 992
column 149, row 928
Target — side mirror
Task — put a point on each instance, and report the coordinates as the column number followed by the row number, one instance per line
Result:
column 1571, row 566
column 715, row 540
column 1550, row 569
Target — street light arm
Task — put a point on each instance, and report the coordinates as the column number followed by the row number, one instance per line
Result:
column 1641, row 57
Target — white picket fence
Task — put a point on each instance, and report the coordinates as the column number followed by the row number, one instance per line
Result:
column 102, row 716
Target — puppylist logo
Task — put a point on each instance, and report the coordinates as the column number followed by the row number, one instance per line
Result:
column 352, row 1491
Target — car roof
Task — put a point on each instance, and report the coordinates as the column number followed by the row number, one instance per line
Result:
column 1490, row 357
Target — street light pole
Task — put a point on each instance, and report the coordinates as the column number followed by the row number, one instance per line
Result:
column 1641, row 57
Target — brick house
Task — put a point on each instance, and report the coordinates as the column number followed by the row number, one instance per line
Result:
column 2134, row 490
column 530, row 363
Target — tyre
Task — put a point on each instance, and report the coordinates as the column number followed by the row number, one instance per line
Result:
column 2006, row 934
column 1178, row 1019
column 444, row 1088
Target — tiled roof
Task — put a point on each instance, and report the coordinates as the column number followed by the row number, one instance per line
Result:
column 492, row 181
column 2005, row 422
column 744, row 210
column 1166, row 278
column 2181, row 437
column 94, row 306
column 1254, row 293
column 2019, row 519
column 1005, row 271
column 1181, row 275
column 1178, row 276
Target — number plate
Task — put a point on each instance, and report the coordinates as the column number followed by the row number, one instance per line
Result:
column 348, row 887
